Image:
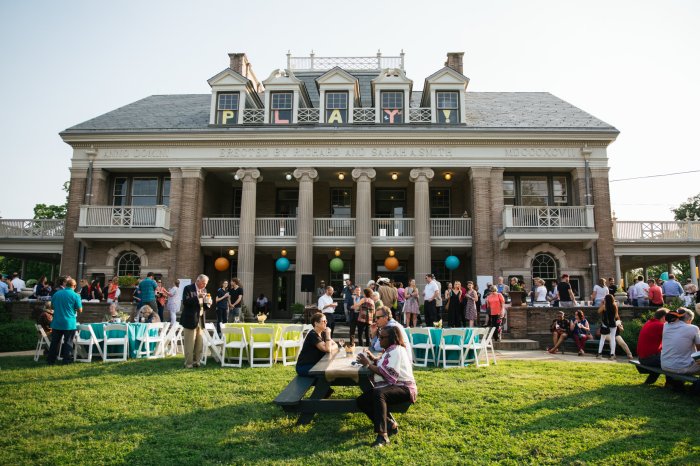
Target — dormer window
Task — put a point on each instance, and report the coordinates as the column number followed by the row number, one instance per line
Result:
column 392, row 107
column 227, row 108
column 281, row 108
column 448, row 107
column 336, row 107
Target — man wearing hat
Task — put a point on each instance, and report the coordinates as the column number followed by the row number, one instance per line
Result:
column 680, row 340
column 387, row 293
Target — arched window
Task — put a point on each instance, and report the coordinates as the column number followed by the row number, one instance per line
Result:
column 545, row 267
column 129, row 263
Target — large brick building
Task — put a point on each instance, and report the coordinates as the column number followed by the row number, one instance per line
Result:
column 341, row 154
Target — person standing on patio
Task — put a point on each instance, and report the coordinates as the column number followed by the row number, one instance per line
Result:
column 431, row 292
column 174, row 301
column 236, row 298
column 327, row 306
column 161, row 298
column 471, row 297
column 496, row 304
column 66, row 306
column 671, row 289
column 222, row 302
column 148, row 288
column 195, row 304
column 656, row 296
column 392, row 377
column 566, row 294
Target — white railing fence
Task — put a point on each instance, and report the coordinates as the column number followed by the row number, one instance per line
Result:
column 396, row 227
column 221, row 227
column 334, row 227
column 314, row 63
column 656, row 231
column 450, row 227
column 126, row 216
column 308, row 115
column 29, row 228
column 548, row 217
column 419, row 115
column 363, row 115
column 254, row 115
column 276, row 227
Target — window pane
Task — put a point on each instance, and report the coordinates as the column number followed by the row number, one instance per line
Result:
column 440, row 202
column 534, row 190
column 392, row 107
column 336, row 100
column 559, row 190
column 145, row 187
column 129, row 264
column 282, row 100
column 447, row 100
column 228, row 101
column 341, row 201
column 165, row 192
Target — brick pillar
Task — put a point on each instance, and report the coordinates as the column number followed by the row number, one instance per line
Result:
column 175, row 210
column 421, row 178
column 496, row 206
column 100, row 188
column 305, row 229
column 578, row 196
column 600, row 189
column 246, row 241
column 76, row 194
column 188, row 260
column 363, row 177
column 482, row 249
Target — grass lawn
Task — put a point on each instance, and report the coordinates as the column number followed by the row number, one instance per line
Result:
column 519, row 412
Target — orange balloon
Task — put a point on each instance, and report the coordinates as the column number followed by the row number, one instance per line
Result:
column 391, row 263
column 221, row 264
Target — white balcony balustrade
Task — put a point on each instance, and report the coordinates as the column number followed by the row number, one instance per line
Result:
column 419, row 115
column 656, row 232
column 363, row 115
column 221, row 227
column 21, row 228
column 547, row 217
column 157, row 216
column 450, row 227
column 278, row 227
column 253, row 116
column 334, row 227
column 308, row 115
column 392, row 227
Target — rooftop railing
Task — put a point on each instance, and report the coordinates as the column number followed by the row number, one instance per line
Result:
column 651, row 231
column 29, row 228
column 314, row 63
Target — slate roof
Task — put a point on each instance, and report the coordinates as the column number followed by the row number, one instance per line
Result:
column 364, row 79
column 485, row 110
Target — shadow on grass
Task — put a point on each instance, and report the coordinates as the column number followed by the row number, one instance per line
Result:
column 661, row 431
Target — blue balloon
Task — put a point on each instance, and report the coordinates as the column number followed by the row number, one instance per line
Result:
column 282, row 264
column 664, row 276
column 452, row 262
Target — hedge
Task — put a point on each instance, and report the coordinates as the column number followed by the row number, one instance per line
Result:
column 18, row 335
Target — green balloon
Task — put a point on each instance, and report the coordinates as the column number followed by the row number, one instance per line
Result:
column 336, row 265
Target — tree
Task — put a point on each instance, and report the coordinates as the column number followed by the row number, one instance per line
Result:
column 49, row 211
column 690, row 208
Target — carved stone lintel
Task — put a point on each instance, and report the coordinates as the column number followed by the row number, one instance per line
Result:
column 421, row 174
column 306, row 174
column 249, row 174
column 364, row 174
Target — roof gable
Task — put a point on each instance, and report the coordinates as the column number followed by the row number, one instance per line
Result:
column 228, row 77
column 447, row 75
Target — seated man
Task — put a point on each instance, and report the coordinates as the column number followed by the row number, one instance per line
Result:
column 560, row 332
column 650, row 338
column 680, row 340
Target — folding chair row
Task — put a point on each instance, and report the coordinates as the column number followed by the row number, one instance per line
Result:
column 480, row 341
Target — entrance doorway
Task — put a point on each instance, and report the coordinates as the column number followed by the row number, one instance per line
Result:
column 283, row 295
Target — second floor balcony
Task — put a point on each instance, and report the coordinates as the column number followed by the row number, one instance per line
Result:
column 109, row 223
column 656, row 232
column 554, row 223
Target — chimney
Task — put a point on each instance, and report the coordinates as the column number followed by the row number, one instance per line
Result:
column 241, row 65
column 454, row 61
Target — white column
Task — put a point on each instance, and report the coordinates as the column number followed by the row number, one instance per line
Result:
column 363, row 177
column 305, row 229
column 421, row 178
column 246, row 242
column 693, row 274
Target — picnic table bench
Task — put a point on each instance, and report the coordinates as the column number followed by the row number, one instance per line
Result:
column 331, row 370
column 676, row 380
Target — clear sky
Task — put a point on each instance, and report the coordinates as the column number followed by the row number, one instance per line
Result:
column 632, row 64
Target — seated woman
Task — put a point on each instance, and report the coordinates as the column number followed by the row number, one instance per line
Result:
column 148, row 315
column 392, row 377
column 262, row 304
column 580, row 329
column 560, row 331
column 317, row 343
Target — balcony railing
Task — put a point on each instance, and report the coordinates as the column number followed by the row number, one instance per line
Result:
column 314, row 63
column 21, row 228
column 450, row 227
column 308, row 115
column 221, row 227
column 334, row 227
column 548, row 217
column 363, row 115
column 276, row 227
column 392, row 227
column 157, row 216
column 254, row 115
column 419, row 115
column 650, row 231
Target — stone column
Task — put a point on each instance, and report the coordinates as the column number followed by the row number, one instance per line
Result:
column 246, row 242
column 363, row 177
column 600, row 188
column 496, row 206
column 188, row 202
column 693, row 274
column 421, row 177
column 482, row 249
column 618, row 270
column 305, row 230
column 175, row 210
column 76, row 194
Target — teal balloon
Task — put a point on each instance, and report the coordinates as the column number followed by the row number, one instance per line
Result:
column 336, row 265
column 282, row 264
column 451, row 262
column 664, row 276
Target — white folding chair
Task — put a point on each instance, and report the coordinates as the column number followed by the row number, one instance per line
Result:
column 122, row 341
column 240, row 343
column 43, row 341
column 268, row 332
column 305, row 329
column 287, row 340
column 475, row 343
column 426, row 346
column 212, row 344
column 149, row 338
column 453, row 334
column 170, row 346
column 87, row 343
column 488, row 344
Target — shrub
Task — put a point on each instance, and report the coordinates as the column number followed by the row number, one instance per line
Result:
column 128, row 280
column 297, row 308
column 19, row 335
column 31, row 282
column 4, row 314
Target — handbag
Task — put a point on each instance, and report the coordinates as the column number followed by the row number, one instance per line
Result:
column 364, row 313
column 603, row 330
